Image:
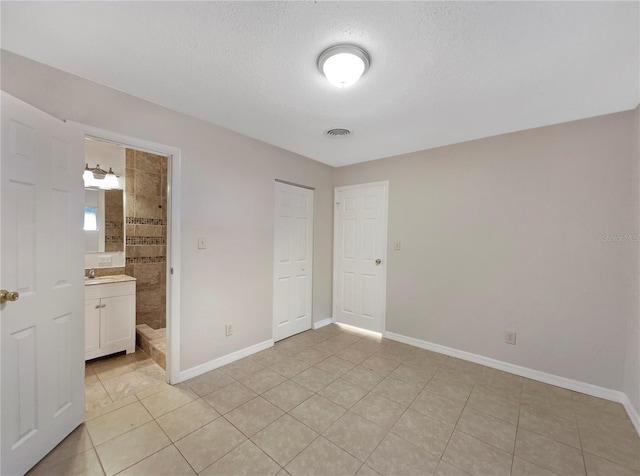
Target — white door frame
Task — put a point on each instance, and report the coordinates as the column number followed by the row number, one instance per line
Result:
column 173, row 235
column 385, row 218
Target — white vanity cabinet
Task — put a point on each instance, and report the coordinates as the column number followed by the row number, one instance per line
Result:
column 110, row 315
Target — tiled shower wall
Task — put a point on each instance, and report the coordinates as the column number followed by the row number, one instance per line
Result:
column 113, row 222
column 146, row 234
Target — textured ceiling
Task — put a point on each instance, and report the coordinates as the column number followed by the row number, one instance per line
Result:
column 440, row 72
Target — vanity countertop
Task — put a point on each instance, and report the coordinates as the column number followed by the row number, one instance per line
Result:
column 116, row 278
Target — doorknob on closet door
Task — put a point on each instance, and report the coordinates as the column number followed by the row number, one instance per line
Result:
column 378, row 261
column 8, row 295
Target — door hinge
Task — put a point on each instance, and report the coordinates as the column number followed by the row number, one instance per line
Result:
column 171, row 270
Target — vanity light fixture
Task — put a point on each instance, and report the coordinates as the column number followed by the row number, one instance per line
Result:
column 343, row 64
column 98, row 178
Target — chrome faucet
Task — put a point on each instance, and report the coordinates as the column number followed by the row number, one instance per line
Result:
column 92, row 273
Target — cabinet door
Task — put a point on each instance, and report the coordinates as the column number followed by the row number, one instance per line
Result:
column 91, row 325
column 116, row 320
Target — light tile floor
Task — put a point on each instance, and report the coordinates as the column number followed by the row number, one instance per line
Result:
column 335, row 401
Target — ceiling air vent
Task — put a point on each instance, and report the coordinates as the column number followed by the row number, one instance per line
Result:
column 337, row 132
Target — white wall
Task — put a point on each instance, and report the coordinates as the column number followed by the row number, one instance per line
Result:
column 506, row 233
column 632, row 367
column 227, row 195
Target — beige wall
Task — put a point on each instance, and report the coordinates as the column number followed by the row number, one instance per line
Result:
column 506, row 233
column 632, row 367
column 227, row 196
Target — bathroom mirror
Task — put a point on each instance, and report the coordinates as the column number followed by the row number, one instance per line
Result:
column 104, row 212
column 103, row 221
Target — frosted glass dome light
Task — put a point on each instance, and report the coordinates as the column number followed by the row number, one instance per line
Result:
column 343, row 65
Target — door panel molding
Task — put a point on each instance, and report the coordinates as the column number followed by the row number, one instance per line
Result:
column 348, row 292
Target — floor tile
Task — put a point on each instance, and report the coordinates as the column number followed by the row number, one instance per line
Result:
column 355, row 356
column 476, row 457
column 409, row 374
column 383, row 364
column 290, row 367
column 314, row 379
column 247, row 459
column 241, row 368
column 117, row 422
column 550, row 454
column 438, row 407
column 205, row 446
column 230, row 397
column 287, row 395
column 313, row 355
column 484, row 400
column 423, row 432
column 597, row 466
column 487, row 428
column 284, row 439
column 539, row 420
column 366, row 470
column 448, row 386
column 522, row 467
column 268, row 357
column 394, row 456
column 166, row 462
column 359, row 437
column 180, row 422
column 318, row 413
column 343, row 393
column 262, row 380
column 163, row 402
column 134, row 382
column 135, row 445
column 335, row 365
column 85, row 463
column 379, row 410
column 623, row 451
column 446, row 469
column 397, row 390
column 209, row 382
column 254, row 415
column 363, row 377
column 323, row 458
column 123, row 402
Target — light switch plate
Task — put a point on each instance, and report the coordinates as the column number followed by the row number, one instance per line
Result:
column 397, row 246
column 202, row 242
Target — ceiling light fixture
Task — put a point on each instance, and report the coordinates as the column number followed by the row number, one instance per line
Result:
column 343, row 64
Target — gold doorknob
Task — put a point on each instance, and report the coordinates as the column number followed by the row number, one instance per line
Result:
column 8, row 295
column 378, row 261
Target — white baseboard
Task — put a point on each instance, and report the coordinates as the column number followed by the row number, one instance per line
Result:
column 632, row 412
column 570, row 384
column 322, row 323
column 224, row 360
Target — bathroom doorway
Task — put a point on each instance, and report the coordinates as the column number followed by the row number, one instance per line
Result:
column 151, row 238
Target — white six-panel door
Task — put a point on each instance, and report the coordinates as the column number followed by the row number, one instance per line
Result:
column 41, row 257
column 360, row 244
column 292, row 263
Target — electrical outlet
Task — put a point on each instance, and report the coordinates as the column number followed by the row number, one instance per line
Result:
column 510, row 337
column 228, row 329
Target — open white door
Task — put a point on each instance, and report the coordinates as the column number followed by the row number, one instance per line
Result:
column 360, row 252
column 292, row 260
column 41, row 258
